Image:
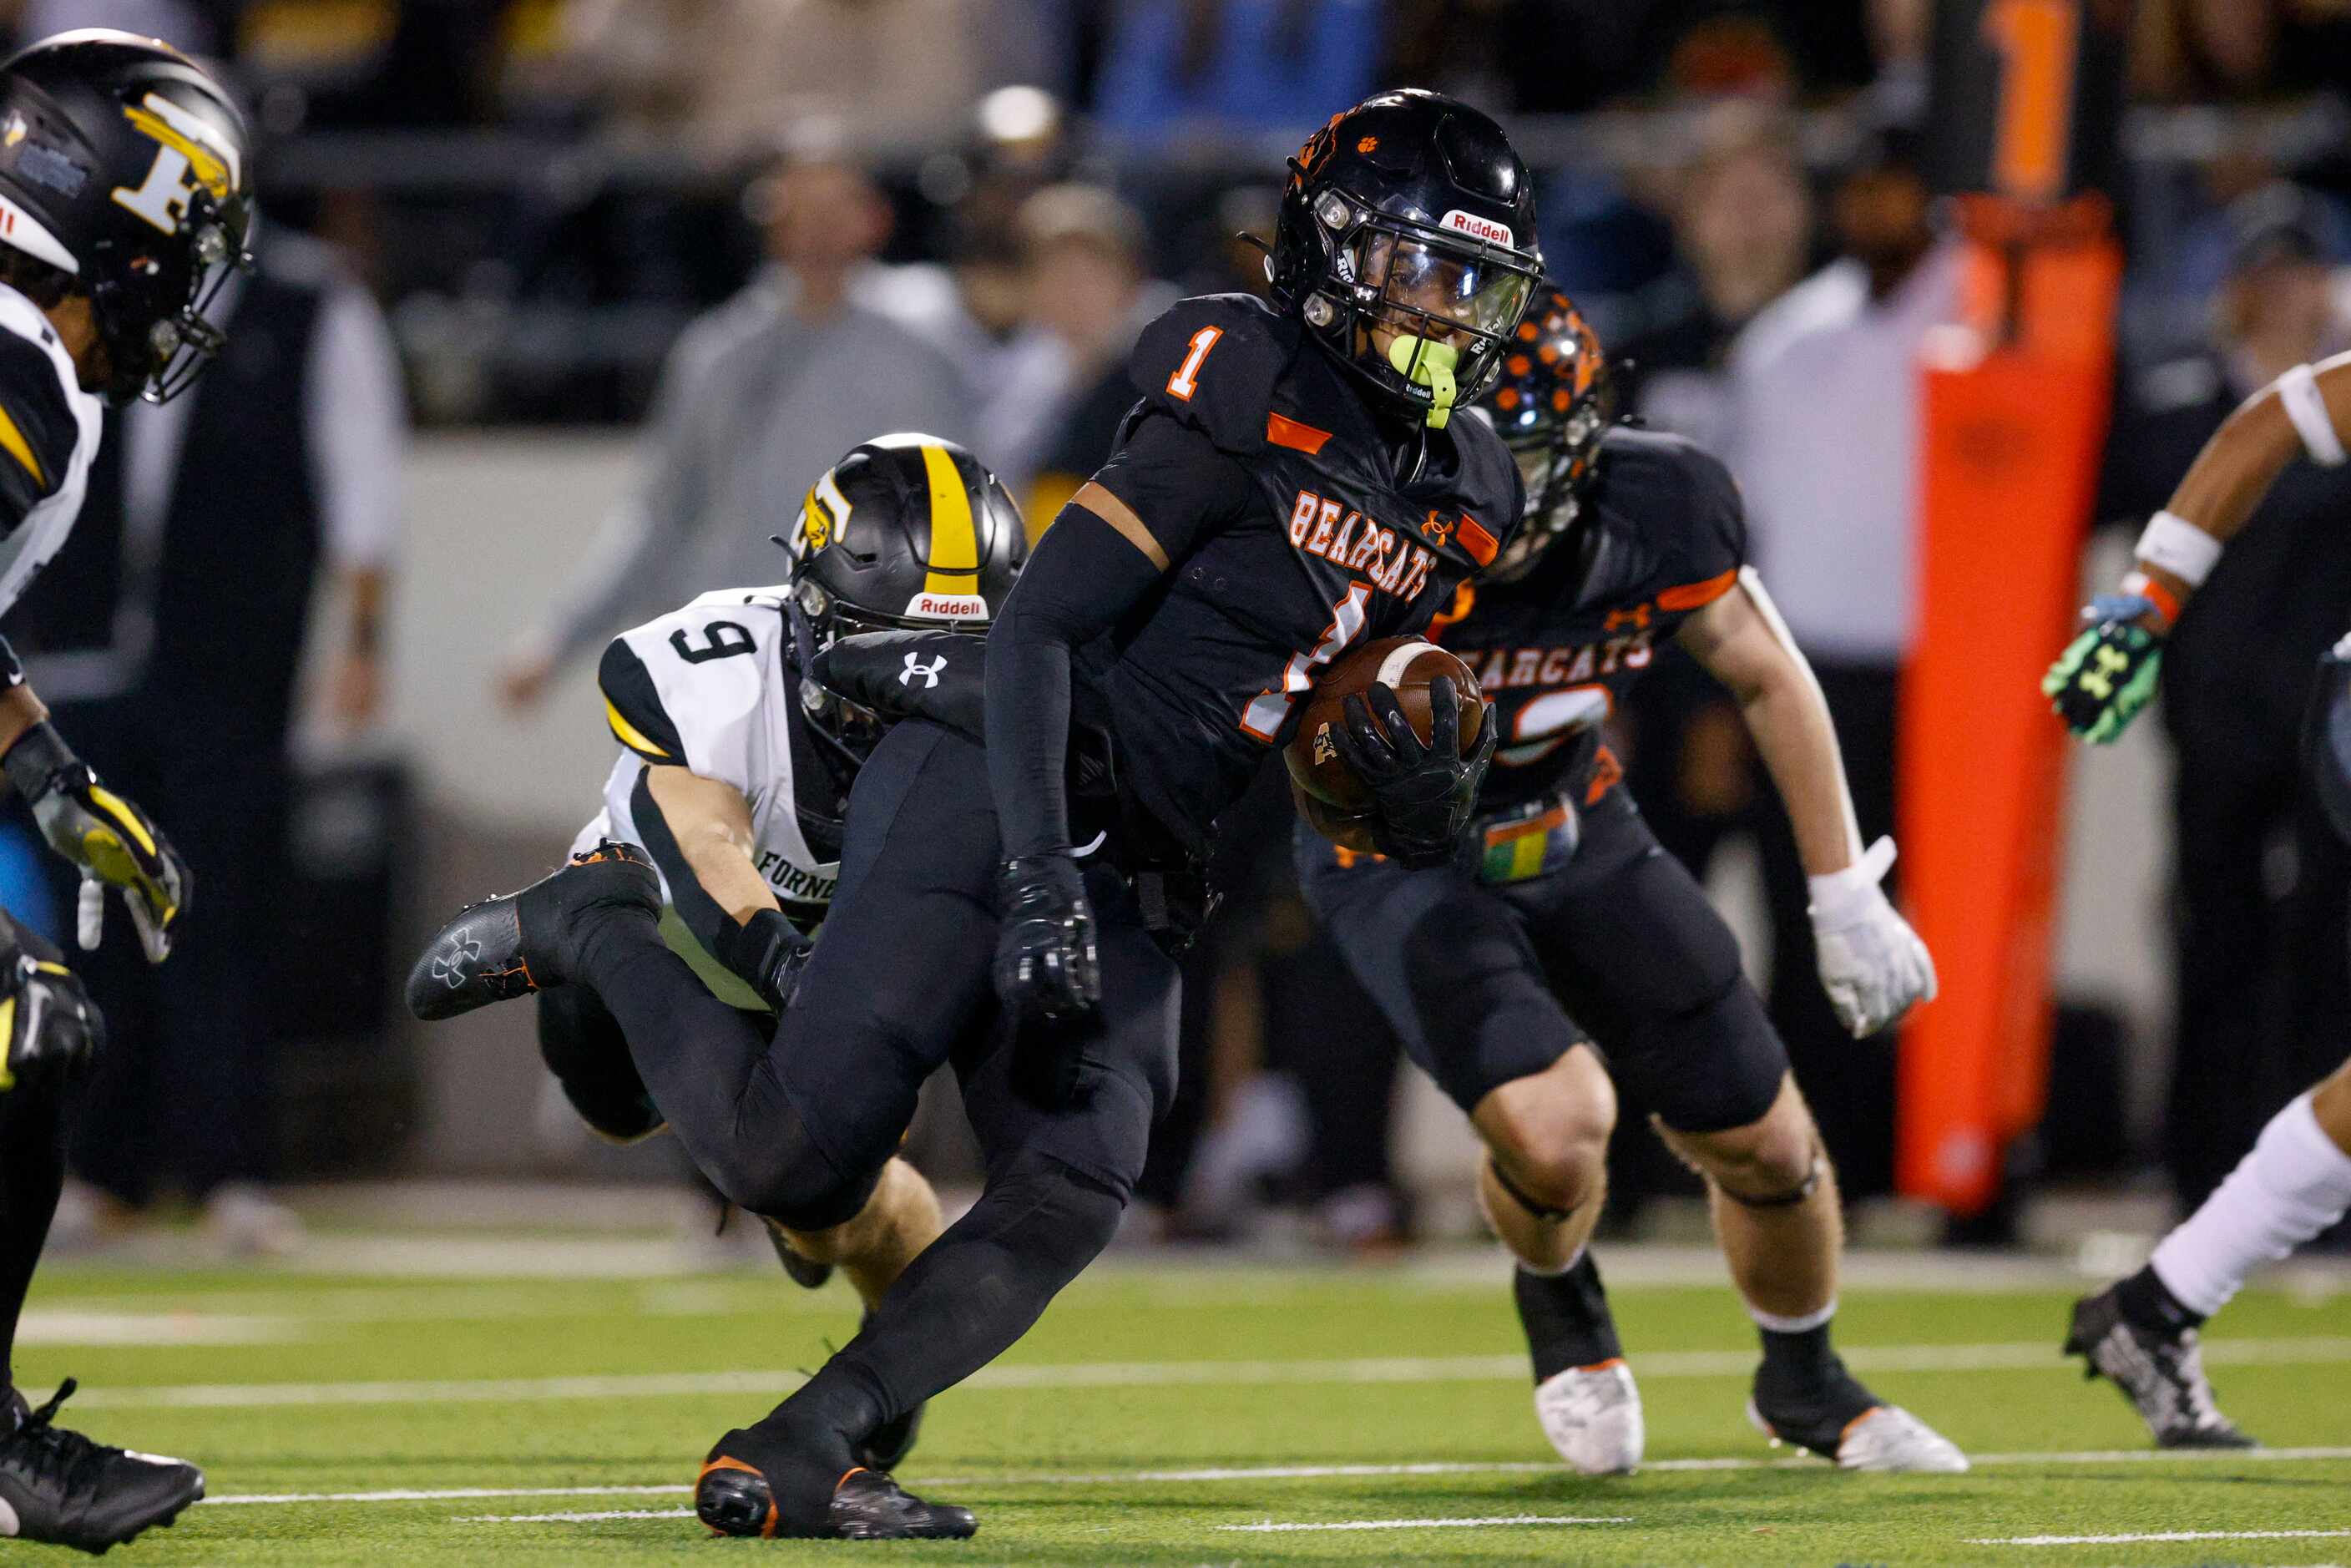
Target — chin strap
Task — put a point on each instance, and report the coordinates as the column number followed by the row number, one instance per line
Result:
column 1428, row 363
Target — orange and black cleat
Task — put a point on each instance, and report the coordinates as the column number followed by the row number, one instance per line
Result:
column 734, row 1497
column 517, row 942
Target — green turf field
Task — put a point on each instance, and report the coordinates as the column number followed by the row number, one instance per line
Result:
column 1191, row 1415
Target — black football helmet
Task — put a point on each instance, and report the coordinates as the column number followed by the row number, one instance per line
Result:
column 1551, row 404
column 125, row 167
column 907, row 532
column 1405, row 240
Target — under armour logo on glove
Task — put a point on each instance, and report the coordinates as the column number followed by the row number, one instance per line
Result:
column 449, row 968
column 930, row 671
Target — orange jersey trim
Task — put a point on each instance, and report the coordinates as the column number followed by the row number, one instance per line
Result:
column 1691, row 595
column 1482, row 545
column 1282, row 431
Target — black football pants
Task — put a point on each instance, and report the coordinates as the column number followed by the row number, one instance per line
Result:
column 799, row 1126
column 33, row 1120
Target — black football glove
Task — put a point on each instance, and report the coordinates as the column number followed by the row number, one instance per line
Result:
column 1046, row 967
column 115, row 844
column 766, row 953
column 1422, row 796
column 48, row 1025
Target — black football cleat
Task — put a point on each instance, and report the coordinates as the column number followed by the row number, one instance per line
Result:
column 2161, row 1374
column 733, row 1496
column 1835, row 1416
column 518, row 943
column 57, row 1486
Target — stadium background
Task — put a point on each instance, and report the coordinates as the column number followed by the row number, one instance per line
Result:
column 542, row 195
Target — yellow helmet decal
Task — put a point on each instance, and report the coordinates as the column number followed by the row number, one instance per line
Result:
column 955, row 534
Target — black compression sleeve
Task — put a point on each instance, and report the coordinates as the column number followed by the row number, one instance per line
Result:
column 1082, row 578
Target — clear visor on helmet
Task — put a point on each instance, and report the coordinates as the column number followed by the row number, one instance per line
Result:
column 1437, row 291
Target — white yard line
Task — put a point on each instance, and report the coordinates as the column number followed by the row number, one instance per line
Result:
column 2028, row 1356
column 59, row 1325
column 1432, row 1523
column 451, row 1494
column 573, row 1518
column 1290, row 1473
column 2158, row 1535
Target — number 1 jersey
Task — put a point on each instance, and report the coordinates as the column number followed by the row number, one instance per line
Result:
column 1298, row 523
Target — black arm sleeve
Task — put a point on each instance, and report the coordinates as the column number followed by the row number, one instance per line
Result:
column 1082, row 578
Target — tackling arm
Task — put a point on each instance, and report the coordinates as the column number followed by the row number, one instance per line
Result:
column 698, row 830
column 711, row 823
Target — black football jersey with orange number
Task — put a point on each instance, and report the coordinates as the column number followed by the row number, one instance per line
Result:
column 1663, row 535
column 1316, row 544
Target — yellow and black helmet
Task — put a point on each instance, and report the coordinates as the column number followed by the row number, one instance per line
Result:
column 905, row 531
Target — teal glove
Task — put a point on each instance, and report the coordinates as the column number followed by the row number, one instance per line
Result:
column 2107, row 673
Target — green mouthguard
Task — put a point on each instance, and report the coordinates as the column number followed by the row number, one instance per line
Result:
column 1434, row 370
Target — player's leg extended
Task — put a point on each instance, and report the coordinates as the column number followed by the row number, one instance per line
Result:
column 1642, row 957
column 55, row 1485
column 2142, row 1332
column 1450, row 964
column 1058, row 1181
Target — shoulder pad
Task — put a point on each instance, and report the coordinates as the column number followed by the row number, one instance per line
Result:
column 40, row 425
column 1492, row 489
column 1700, row 524
column 686, row 689
column 938, row 675
column 1213, row 362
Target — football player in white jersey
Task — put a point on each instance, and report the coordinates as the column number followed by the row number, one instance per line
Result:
column 733, row 775
column 125, row 198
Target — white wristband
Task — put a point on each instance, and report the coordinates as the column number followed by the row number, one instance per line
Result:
column 2179, row 547
column 2306, row 407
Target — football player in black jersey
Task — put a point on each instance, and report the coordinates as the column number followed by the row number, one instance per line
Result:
column 1566, row 945
column 1295, row 479
column 125, row 197
column 733, row 774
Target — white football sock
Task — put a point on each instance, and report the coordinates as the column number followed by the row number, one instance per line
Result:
column 2293, row 1185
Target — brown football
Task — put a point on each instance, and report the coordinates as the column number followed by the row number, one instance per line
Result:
column 1317, row 768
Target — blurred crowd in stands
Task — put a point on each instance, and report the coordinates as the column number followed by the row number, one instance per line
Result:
column 763, row 229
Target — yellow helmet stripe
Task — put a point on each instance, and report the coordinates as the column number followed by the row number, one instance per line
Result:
column 954, row 538
column 7, row 1034
column 628, row 735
